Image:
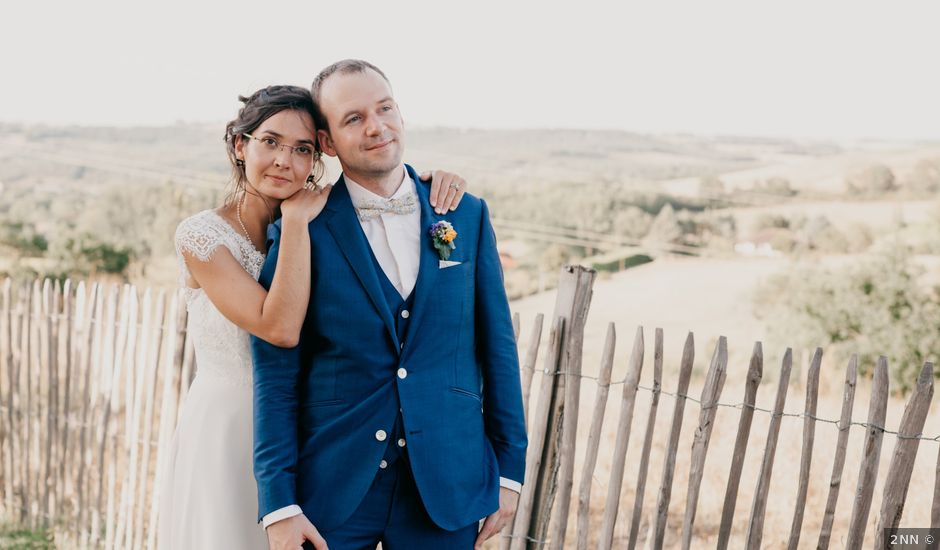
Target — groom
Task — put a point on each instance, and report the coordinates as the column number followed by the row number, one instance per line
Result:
column 398, row 418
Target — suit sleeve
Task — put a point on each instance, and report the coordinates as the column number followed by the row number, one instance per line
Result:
column 275, row 376
column 496, row 347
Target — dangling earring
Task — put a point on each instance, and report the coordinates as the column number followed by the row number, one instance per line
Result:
column 240, row 163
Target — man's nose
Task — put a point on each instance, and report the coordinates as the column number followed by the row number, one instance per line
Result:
column 373, row 126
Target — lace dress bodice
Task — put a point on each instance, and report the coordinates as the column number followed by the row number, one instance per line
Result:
column 222, row 349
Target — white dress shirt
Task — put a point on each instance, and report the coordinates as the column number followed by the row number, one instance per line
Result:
column 395, row 240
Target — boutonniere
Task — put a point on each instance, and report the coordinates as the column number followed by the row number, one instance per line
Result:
column 443, row 235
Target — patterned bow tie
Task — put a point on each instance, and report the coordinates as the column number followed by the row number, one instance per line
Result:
column 371, row 209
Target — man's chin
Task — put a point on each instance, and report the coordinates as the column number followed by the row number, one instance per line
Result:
column 383, row 168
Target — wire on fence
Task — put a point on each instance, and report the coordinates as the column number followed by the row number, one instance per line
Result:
column 739, row 406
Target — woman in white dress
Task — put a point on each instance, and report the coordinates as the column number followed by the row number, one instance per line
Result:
column 208, row 493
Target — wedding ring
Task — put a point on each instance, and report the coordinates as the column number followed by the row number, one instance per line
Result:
column 455, row 186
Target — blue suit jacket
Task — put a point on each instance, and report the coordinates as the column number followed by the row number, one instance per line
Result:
column 318, row 406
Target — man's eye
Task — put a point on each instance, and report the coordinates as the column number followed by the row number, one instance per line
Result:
column 352, row 119
column 386, row 108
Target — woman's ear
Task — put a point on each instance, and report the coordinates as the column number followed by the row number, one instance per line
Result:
column 239, row 148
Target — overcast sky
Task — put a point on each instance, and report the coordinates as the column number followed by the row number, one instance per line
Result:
column 814, row 68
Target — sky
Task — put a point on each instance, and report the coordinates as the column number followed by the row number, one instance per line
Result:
column 830, row 69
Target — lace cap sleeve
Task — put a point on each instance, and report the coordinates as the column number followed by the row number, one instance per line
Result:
column 200, row 236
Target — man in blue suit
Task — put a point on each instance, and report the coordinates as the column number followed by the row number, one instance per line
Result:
column 398, row 418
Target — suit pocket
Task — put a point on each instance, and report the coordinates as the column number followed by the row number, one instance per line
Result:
column 466, row 393
column 324, row 403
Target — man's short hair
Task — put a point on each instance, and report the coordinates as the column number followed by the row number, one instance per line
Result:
column 346, row 66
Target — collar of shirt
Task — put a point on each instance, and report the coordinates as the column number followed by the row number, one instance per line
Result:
column 360, row 195
column 395, row 239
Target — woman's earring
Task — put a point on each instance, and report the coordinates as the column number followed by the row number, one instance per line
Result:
column 240, row 163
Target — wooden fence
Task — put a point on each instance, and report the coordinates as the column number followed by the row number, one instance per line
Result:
column 92, row 378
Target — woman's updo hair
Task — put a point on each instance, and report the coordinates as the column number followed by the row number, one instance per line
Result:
column 257, row 108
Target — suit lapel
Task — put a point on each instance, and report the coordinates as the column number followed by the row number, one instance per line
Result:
column 347, row 232
column 428, row 268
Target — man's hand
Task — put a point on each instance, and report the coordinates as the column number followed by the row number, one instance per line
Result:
column 290, row 534
column 508, row 500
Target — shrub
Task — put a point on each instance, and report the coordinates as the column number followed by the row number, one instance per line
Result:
column 875, row 307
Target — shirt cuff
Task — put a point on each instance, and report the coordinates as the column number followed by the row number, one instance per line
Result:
column 281, row 513
column 510, row 484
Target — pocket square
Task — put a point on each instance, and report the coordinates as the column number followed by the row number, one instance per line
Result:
column 445, row 263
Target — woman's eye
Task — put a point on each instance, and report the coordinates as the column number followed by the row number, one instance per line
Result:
column 305, row 151
column 270, row 142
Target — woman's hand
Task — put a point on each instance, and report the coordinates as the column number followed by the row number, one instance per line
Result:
column 305, row 204
column 446, row 189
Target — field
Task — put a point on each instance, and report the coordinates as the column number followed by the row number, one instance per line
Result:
column 71, row 198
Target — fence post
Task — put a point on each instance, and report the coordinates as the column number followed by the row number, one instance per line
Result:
column 625, row 423
column 594, row 436
column 755, row 372
column 647, row 441
column 905, row 451
column 838, row 463
column 809, row 433
column 714, row 382
column 6, row 391
column 522, row 520
column 582, row 282
column 65, row 332
column 935, row 506
column 755, row 528
column 6, row 364
column 528, row 366
column 88, row 309
column 868, row 470
column 669, row 465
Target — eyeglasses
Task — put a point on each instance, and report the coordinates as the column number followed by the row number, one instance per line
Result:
column 303, row 153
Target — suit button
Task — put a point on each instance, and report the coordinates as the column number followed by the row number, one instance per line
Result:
column 402, row 373
column 383, row 464
column 381, row 435
column 401, row 442
column 405, row 314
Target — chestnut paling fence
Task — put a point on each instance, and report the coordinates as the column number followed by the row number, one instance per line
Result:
column 92, row 378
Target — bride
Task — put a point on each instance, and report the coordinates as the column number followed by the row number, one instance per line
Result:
column 208, row 494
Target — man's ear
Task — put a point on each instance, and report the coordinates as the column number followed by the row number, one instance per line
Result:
column 326, row 143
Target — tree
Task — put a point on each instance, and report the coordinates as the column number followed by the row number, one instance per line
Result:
column 876, row 179
column 711, row 186
column 925, row 178
column 777, row 186
column 665, row 227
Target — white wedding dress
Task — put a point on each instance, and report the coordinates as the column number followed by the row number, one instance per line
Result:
column 209, row 497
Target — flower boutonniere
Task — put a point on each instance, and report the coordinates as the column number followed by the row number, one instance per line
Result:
column 443, row 235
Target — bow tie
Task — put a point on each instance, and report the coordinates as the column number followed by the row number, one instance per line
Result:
column 371, row 209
